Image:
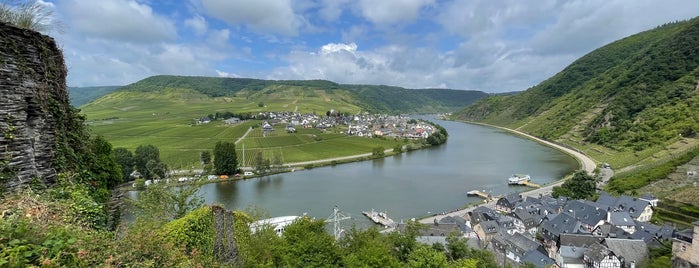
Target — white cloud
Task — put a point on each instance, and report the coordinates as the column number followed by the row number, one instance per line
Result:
column 123, row 20
column 331, row 10
column 198, row 24
column 264, row 16
column 389, row 12
column 333, row 48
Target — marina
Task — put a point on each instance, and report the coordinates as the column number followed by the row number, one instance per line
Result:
column 379, row 218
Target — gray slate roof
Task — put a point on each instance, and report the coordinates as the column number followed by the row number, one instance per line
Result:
column 631, row 250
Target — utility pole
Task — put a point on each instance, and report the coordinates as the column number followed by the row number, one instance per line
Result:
column 335, row 218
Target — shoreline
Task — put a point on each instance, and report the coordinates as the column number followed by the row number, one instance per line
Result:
column 586, row 163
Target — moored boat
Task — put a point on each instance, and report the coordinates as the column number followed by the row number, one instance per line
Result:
column 518, row 179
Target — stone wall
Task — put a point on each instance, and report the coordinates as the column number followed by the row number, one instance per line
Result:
column 33, row 101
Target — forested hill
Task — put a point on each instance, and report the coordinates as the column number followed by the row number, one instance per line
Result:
column 371, row 98
column 82, row 95
column 634, row 93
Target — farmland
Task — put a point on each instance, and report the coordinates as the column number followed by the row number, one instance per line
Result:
column 166, row 119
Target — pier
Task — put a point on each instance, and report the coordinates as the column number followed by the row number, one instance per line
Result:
column 480, row 194
column 527, row 183
column 379, row 218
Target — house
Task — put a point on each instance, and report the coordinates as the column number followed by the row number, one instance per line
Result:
column 231, row 121
column 599, row 256
column 515, row 246
column 485, row 231
column 203, row 120
column 266, row 127
column 570, row 256
column 623, row 220
column 589, row 216
column 639, row 209
column 537, row 258
column 650, row 199
column 684, row 251
column 508, row 202
column 562, row 223
column 631, row 252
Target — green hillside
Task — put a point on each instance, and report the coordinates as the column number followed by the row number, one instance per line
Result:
column 324, row 94
column 634, row 100
column 162, row 110
column 82, row 95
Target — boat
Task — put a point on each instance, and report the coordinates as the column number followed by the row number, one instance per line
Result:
column 379, row 218
column 277, row 223
column 518, row 179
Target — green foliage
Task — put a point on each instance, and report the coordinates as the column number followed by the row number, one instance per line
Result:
column 644, row 176
column 632, row 94
column 425, row 257
column 195, row 230
column 378, row 151
column 147, row 162
column 580, row 186
column 31, row 15
column 126, row 161
column 205, row 157
column 160, row 203
column 225, row 158
column 305, row 243
column 367, row 248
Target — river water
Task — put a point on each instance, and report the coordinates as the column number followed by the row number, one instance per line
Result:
column 411, row 185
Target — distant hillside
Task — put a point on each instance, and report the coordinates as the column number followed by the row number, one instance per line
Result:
column 82, row 95
column 633, row 94
column 371, row 98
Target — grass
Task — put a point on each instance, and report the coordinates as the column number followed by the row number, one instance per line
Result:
column 165, row 119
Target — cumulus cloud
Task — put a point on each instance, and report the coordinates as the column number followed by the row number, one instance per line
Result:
column 333, row 48
column 264, row 16
column 389, row 12
column 126, row 21
column 197, row 23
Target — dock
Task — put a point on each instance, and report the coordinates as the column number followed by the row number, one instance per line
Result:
column 478, row 193
column 527, row 183
column 379, row 218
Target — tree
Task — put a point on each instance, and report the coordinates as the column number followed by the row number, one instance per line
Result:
column 260, row 163
column 367, row 248
column 306, row 243
column 160, row 203
column 225, row 158
column 580, row 186
column 205, row 157
column 104, row 167
column 426, row 257
column 125, row 160
column 145, row 154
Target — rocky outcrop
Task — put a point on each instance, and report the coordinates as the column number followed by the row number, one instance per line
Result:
column 33, row 106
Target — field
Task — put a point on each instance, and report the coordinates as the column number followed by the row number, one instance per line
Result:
column 166, row 120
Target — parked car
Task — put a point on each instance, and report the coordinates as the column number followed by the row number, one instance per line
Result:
column 248, row 173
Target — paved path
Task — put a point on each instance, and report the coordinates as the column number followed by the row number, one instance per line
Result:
column 296, row 164
column 586, row 163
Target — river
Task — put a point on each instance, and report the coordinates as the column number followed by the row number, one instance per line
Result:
column 411, row 185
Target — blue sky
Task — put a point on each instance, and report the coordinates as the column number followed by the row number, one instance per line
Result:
column 489, row 45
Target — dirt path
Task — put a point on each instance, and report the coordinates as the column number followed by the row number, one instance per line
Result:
column 244, row 135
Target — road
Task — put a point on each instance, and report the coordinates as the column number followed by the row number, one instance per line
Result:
column 586, row 163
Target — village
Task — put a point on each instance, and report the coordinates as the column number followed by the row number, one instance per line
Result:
column 561, row 232
column 360, row 125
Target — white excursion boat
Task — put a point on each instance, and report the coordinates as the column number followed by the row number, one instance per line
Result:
column 278, row 223
column 518, row 179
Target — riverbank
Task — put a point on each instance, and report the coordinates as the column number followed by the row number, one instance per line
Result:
column 586, row 163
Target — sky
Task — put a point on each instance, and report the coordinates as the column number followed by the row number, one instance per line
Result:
column 489, row 45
